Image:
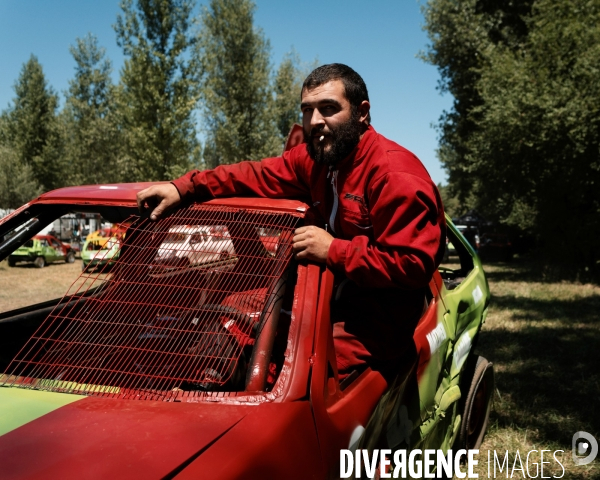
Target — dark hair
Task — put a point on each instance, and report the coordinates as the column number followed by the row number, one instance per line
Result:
column 354, row 86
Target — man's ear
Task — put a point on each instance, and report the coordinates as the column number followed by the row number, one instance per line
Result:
column 363, row 109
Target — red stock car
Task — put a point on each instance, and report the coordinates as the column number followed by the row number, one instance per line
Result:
column 221, row 369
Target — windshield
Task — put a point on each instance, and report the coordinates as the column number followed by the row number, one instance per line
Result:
column 157, row 327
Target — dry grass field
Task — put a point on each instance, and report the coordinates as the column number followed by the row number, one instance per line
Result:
column 543, row 338
column 544, row 341
column 26, row 285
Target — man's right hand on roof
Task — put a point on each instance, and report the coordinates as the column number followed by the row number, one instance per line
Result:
column 159, row 199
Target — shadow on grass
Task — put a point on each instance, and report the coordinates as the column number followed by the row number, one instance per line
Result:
column 578, row 310
column 547, row 374
column 536, row 270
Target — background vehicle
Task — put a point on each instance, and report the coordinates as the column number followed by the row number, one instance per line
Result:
column 42, row 250
column 99, row 252
column 192, row 245
column 227, row 369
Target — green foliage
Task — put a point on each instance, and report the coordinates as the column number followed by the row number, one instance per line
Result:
column 92, row 140
column 30, row 126
column 144, row 127
column 452, row 204
column 238, row 103
column 287, row 87
column 17, row 184
column 159, row 89
column 523, row 140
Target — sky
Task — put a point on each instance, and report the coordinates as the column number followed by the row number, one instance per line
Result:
column 379, row 39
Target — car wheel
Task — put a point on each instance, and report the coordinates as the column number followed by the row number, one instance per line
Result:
column 70, row 257
column 39, row 262
column 11, row 262
column 477, row 404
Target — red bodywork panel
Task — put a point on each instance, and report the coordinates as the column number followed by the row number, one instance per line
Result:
column 294, row 431
column 108, row 438
column 124, row 194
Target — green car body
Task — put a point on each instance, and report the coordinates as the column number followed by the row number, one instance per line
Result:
column 96, row 253
column 444, row 402
column 42, row 250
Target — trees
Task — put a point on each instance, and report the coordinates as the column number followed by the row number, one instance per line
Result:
column 527, row 147
column 92, row 140
column 287, row 86
column 17, row 185
column 159, row 89
column 238, row 104
column 30, row 128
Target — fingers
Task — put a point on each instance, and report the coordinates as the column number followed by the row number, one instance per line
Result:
column 159, row 210
column 311, row 243
column 158, row 198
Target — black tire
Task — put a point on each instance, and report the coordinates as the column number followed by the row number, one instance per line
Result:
column 39, row 262
column 11, row 262
column 478, row 402
column 70, row 257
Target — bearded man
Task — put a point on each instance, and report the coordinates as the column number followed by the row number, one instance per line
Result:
column 381, row 227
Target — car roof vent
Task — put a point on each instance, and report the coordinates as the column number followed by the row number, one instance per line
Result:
column 177, row 312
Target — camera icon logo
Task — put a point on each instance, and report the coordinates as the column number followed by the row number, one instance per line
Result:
column 585, row 448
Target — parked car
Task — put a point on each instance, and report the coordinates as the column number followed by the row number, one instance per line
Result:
column 42, row 250
column 225, row 370
column 98, row 252
column 192, row 245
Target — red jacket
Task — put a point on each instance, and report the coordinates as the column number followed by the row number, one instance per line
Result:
column 389, row 224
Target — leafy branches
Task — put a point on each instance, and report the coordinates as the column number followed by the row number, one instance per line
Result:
column 159, row 89
column 523, row 140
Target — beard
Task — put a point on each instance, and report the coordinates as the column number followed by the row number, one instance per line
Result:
column 343, row 139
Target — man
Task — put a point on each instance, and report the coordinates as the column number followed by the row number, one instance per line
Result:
column 378, row 218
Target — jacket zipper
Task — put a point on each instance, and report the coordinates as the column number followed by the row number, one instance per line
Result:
column 333, row 174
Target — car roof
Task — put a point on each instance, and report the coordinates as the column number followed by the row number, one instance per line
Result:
column 124, row 194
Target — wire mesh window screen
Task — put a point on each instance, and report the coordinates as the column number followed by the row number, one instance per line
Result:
column 179, row 311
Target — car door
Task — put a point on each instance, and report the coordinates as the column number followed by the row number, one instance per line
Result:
column 58, row 252
column 341, row 410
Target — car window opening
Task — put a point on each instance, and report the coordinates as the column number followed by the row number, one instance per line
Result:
column 458, row 262
column 174, row 317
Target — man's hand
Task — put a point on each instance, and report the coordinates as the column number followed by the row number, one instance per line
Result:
column 159, row 199
column 311, row 243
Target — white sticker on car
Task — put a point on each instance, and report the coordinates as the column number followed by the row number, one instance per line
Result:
column 436, row 337
column 462, row 349
column 477, row 294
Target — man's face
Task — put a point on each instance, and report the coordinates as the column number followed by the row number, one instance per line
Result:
column 332, row 128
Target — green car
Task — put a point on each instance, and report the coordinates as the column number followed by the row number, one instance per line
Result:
column 41, row 250
column 98, row 253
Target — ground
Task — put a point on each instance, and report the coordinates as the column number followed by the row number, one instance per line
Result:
column 26, row 285
column 544, row 341
column 543, row 338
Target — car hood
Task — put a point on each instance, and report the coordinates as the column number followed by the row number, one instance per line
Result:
column 53, row 435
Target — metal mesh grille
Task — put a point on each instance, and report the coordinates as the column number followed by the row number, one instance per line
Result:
column 178, row 311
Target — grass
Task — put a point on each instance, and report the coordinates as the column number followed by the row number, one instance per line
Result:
column 26, row 285
column 544, row 341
